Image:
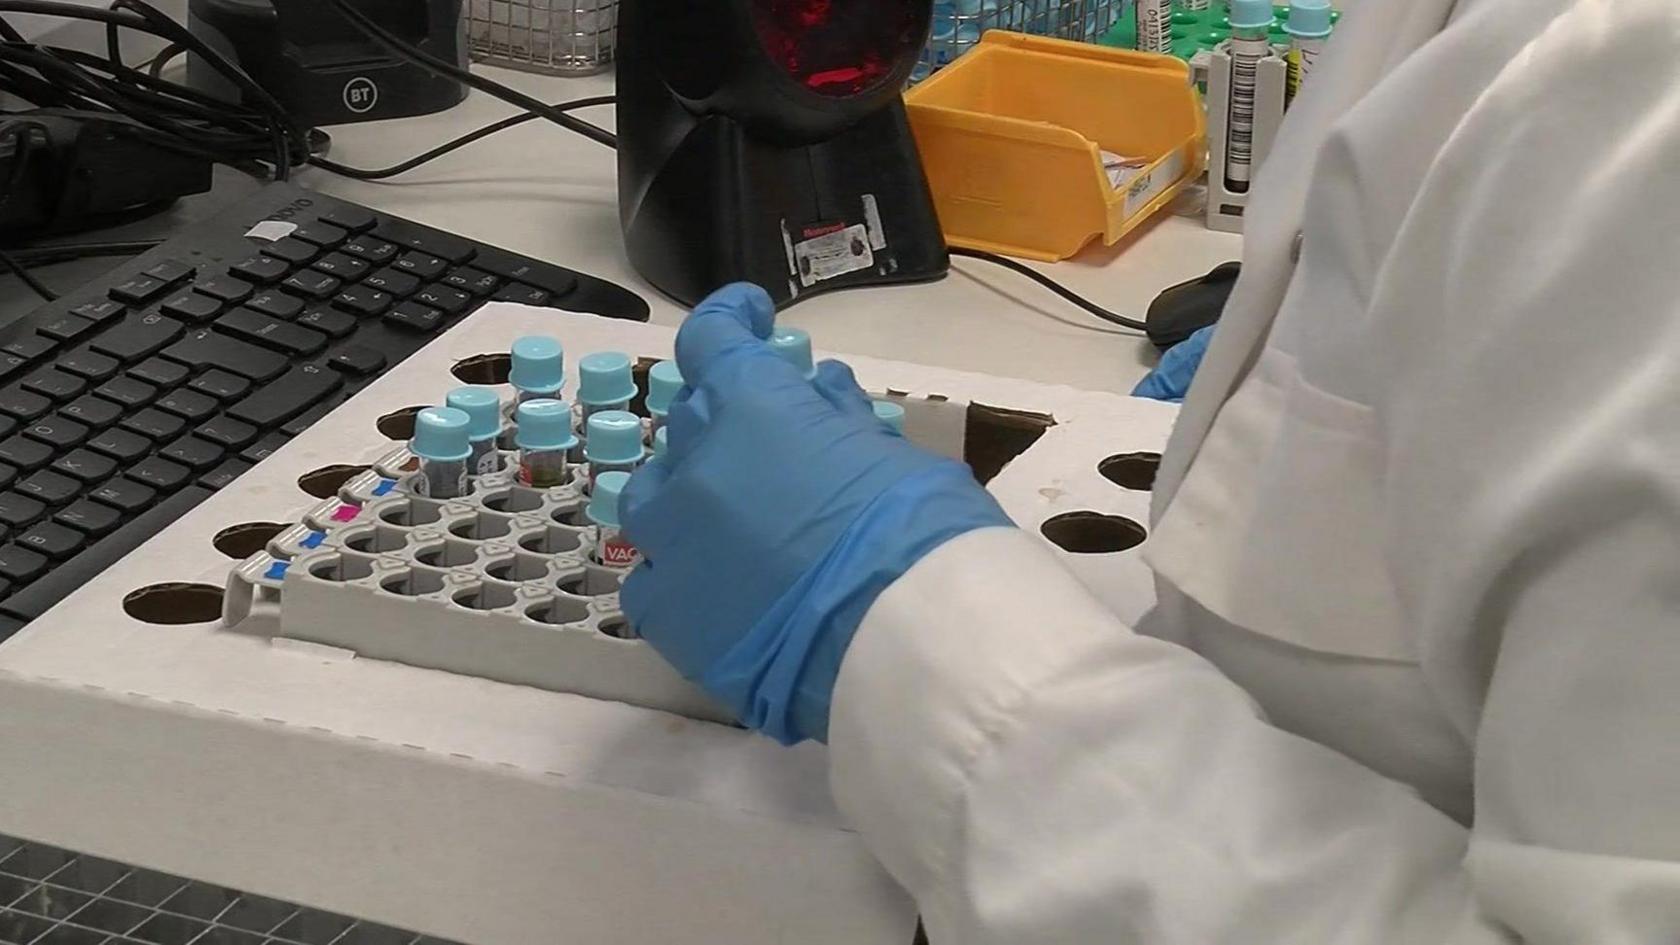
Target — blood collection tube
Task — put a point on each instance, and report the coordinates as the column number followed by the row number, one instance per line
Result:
column 891, row 414
column 538, row 370
column 1197, row 4
column 604, row 383
column 544, row 437
column 614, row 443
column 794, row 345
column 441, row 444
column 1308, row 26
column 1251, row 24
column 1154, row 26
column 484, row 408
column 664, row 381
column 612, row 549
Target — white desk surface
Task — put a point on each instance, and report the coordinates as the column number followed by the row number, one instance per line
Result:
column 547, row 193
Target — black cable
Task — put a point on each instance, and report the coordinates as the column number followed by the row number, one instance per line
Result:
column 461, row 142
column 155, row 67
column 1054, row 286
column 28, row 280
column 448, row 69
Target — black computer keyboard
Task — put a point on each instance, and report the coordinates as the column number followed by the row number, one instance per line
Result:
column 125, row 404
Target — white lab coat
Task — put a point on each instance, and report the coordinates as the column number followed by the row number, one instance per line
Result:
column 1415, row 672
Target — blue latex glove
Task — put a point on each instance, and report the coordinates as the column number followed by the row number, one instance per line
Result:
column 1170, row 381
column 780, row 511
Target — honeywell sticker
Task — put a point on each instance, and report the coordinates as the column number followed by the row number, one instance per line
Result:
column 839, row 250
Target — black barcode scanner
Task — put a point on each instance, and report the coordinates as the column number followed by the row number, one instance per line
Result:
column 766, row 140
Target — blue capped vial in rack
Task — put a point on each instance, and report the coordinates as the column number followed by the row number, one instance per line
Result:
column 483, row 408
column 544, row 436
column 443, row 448
column 538, row 369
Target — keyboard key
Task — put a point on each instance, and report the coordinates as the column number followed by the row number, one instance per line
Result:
column 221, row 385
column 154, row 424
column 416, row 316
column 263, row 448
column 31, row 347
column 49, row 487
column 228, row 432
column 194, row 453
column 7, row 476
column 427, row 241
column 224, row 475
column 160, row 474
column 89, row 364
column 89, row 517
column 394, row 281
column 23, row 404
column 190, row 404
column 57, row 431
column 340, row 266
column 102, row 312
column 352, row 218
column 126, row 392
column 275, row 304
column 85, row 465
column 93, row 411
column 424, row 265
column 290, row 249
column 159, row 372
column 226, row 288
column 260, row 270
column 308, row 418
column 121, row 445
column 67, row 327
column 363, row 300
column 472, row 281
column 206, row 349
column 125, row 495
column 523, row 294
column 550, row 279
column 321, row 234
column 374, row 252
column 24, row 453
column 54, row 541
column 449, row 301
column 192, row 307
column 357, row 360
column 11, row 364
column 296, row 391
column 17, row 510
column 335, row 323
column 171, row 271
column 312, row 284
column 21, row 565
column 54, row 384
column 138, row 290
column 270, row 332
column 138, row 337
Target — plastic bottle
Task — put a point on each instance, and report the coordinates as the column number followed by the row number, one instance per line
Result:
column 794, row 345
column 1251, row 24
column 891, row 414
column 538, row 370
column 614, row 443
column 1309, row 27
column 664, row 381
column 441, row 443
column 604, row 383
column 1154, row 26
column 611, row 549
column 484, row 409
column 544, row 437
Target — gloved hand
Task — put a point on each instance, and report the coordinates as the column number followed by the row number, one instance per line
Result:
column 1170, row 381
column 780, row 511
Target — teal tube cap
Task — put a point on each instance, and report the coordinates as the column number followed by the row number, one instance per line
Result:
column 614, row 437
column 890, row 414
column 1309, row 19
column 603, row 498
column 664, row 380
column 604, row 378
column 1251, row 14
column 483, row 408
column 794, row 345
column 544, row 425
column 440, row 434
column 539, row 365
column 661, row 442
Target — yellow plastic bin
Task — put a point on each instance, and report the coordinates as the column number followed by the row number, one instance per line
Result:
column 1012, row 136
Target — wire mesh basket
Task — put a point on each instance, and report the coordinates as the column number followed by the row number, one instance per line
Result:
column 958, row 24
column 553, row 37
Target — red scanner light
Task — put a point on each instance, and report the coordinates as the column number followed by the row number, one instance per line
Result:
column 838, row 48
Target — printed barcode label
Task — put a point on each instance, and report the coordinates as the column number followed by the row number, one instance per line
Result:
column 1245, row 72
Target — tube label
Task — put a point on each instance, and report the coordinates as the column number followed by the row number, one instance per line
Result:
column 1154, row 26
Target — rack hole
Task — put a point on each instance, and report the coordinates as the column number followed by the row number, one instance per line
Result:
column 414, row 583
column 450, row 554
column 553, row 540
column 1093, row 533
column 486, row 597
column 175, row 604
column 378, row 540
column 490, row 369
column 618, row 628
column 520, row 567
column 342, row 568
column 1134, row 471
column 515, row 500
column 593, row 582
column 399, row 426
column 325, row 482
column 242, row 541
column 482, row 527
column 559, row 611
column 411, row 514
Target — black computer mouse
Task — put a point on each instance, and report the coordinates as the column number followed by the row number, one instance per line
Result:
column 1188, row 307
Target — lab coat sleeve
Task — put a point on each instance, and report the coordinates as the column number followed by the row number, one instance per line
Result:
column 1034, row 771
